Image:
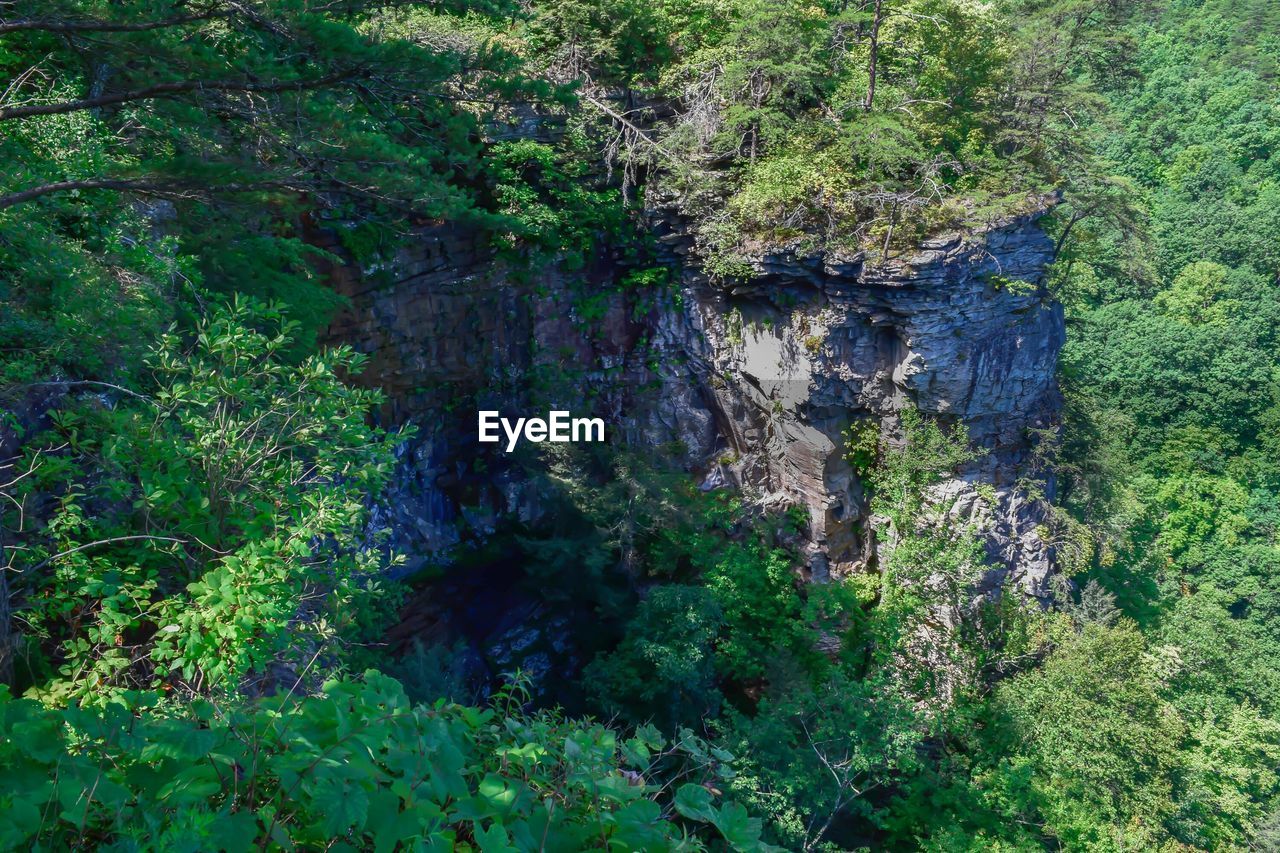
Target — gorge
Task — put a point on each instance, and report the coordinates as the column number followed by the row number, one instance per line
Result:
column 753, row 386
column 931, row 346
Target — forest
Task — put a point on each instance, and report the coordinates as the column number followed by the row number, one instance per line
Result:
column 211, row 631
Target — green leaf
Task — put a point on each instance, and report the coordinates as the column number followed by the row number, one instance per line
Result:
column 694, row 802
column 194, row 783
column 738, row 828
column 494, row 839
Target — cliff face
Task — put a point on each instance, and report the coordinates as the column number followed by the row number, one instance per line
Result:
column 960, row 328
column 755, row 384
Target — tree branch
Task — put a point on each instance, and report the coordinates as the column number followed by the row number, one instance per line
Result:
column 174, row 89
column 38, row 566
column 621, row 119
column 138, row 186
column 1076, row 216
column 145, row 186
column 108, row 26
column 81, row 382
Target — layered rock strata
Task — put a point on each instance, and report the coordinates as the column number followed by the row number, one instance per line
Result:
column 755, row 383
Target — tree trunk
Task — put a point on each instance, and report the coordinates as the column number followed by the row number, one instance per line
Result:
column 6, row 622
column 875, row 55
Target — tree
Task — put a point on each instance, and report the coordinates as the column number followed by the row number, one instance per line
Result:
column 153, row 147
column 665, row 667
column 1087, row 745
column 815, row 757
column 209, row 529
column 772, row 67
column 930, row 558
column 234, row 98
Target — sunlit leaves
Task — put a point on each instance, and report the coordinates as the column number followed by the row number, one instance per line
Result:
column 356, row 764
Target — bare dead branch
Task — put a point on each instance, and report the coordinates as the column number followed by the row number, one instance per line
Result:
column 108, row 26
column 90, row 382
column 150, row 187
column 621, row 119
column 40, row 565
column 174, row 89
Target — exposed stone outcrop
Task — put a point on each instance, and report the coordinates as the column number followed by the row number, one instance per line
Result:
column 756, row 382
column 961, row 328
column 449, row 329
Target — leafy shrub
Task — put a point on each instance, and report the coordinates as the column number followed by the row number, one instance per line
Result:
column 665, row 667
column 208, row 529
column 356, row 765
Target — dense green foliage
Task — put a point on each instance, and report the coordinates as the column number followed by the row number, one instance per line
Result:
column 191, row 580
column 207, row 543
column 182, row 547
column 244, row 128
column 847, row 125
column 359, row 766
column 1170, row 369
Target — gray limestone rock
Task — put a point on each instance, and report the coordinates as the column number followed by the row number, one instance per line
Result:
column 961, row 328
column 755, row 385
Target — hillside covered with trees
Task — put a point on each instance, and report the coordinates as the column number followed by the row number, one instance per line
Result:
column 203, row 611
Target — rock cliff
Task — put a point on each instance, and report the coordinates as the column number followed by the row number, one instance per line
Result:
column 755, row 383
column 960, row 327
